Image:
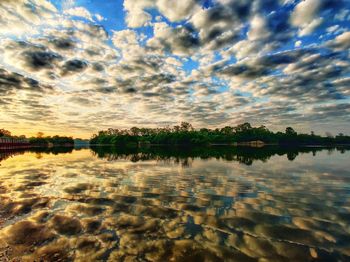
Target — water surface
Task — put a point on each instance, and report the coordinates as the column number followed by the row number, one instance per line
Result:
column 161, row 204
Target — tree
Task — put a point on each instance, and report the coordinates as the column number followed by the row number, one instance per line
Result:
column 185, row 134
column 263, row 128
column 40, row 135
column 185, row 126
column 4, row 132
column 176, row 128
column 135, row 131
column 290, row 131
column 112, row 131
column 227, row 130
column 243, row 127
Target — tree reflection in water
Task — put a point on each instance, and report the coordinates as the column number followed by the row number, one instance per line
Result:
column 184, row 155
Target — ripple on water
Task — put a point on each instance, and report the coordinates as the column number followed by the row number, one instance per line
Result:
column 65, row 225
column 90, row 209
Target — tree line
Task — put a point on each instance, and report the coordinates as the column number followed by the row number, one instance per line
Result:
column 186, row 134
column 41, row 140
column 51, row 140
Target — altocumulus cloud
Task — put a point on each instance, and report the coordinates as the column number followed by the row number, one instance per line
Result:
column 67, row 65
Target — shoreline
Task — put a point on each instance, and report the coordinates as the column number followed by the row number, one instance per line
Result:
column 228, row 145
column 32, row 146
column 244, row 144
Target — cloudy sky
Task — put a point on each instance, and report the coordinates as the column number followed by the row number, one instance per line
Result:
column 77, row 66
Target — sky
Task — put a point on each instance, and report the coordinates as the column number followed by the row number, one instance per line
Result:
column 78, row 66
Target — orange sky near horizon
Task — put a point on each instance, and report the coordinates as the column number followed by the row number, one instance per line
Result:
column 32, row 132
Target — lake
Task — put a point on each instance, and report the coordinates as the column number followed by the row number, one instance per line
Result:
column 168, row 204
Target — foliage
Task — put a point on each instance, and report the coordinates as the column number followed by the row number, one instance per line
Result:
column 185, row 134
column 41, row 140
column 4, row 132
column 54, row 140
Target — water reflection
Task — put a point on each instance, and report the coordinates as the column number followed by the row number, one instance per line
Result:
column 184, row 155
column 220, row 204
column 7, row 153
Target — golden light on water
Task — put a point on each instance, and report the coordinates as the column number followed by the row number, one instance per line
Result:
column 77, row 206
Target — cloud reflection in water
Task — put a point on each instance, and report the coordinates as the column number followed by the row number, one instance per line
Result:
column 223, row 205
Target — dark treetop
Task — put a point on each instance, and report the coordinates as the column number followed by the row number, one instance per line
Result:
column 185, row 134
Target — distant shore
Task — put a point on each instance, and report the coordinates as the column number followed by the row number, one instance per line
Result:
column 219, row 145
column 251, row 144
column 240, row 135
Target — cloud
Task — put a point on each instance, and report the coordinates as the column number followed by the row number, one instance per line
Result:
column 258, row 29
column 220, row 22
column 174, row 11
column 99, row 17
column 333, row 28
column 18, row 17
column 343, row 15
column 341, row 42
column 136, row 16
column 74, row 66
column 79, row 11
column 125, row 38
column 178, row 41
column 11, row 82
column 211, row 63
column 342, row 84
column 178, row 10
column 262, row 66
column 306, row 14
column 83, row 101
column 63, row 43
column 311, row 27
column 302, row 76
column 329, row 111
column 36, row 60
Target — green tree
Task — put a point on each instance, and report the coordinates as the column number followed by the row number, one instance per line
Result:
column 185, row 134
column 290, row 131
column 135, row 131
column 227, row 130
column 243, row 127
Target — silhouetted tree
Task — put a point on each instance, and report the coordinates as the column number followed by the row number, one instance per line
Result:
column 290, row 131
column 185, row 126
column 4, row 132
